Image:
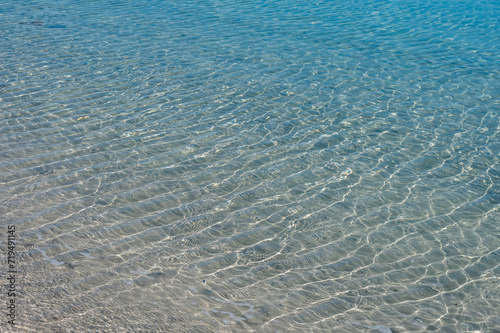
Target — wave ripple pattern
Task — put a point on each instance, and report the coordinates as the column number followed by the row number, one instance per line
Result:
column 252, row 166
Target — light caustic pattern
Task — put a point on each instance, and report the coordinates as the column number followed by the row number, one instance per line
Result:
column 231, row 166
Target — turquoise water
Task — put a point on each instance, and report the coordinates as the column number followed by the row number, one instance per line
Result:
column 265, row 166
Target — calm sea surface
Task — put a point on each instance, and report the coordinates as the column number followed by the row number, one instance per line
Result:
column 265, row 166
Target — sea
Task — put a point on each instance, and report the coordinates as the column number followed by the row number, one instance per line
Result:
column 250, row 166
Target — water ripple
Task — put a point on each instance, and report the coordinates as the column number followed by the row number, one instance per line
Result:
column 263, row 166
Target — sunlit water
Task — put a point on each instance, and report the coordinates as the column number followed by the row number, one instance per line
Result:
column 267, row 166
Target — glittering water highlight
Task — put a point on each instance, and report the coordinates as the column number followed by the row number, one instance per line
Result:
column 267, row 166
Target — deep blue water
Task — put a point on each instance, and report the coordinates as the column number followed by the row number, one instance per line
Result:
column 266, row 166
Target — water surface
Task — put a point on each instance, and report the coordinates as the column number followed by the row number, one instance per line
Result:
column 266, row 166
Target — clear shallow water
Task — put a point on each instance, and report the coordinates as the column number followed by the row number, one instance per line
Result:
column 216, row 166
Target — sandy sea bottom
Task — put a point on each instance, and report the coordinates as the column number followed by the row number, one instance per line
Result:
column 266, row 166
